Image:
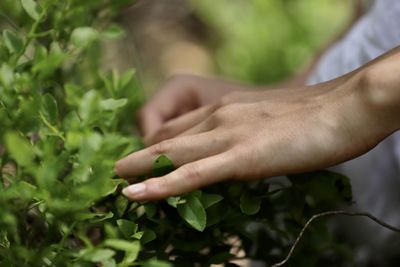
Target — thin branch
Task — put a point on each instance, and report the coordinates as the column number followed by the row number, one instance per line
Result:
column 329, row 213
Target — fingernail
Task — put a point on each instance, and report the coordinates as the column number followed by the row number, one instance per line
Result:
column 135, row 190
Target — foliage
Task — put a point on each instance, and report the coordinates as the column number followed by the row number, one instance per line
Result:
column 64, row 123
column 265, row 41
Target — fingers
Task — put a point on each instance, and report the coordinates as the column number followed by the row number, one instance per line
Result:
column 204, row 126
column 180, row 150
column 179, row 125
column 150, row 120
column 185, row 179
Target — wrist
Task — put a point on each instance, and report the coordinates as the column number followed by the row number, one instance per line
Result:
column 380, row 88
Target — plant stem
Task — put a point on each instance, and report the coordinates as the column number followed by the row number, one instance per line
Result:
column 30, row 36
column 326, row 214
column 65, row 236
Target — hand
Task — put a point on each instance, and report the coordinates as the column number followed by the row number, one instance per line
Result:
column 179, row 95
column 282, row 135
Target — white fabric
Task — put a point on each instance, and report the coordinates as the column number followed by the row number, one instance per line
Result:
column 375, row 176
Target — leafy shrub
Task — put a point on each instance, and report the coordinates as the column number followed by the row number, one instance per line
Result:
column 64, row 123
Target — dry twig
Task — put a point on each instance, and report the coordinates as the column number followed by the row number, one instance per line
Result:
column 325, row 214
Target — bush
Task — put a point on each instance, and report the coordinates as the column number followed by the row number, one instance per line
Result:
column 64, row 123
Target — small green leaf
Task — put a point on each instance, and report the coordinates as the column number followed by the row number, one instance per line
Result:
column 113, row 104
column 99, row 255
column 150, row 209
column 324, row 186
column 50, row 63
column 114, row 31
column 73, row 140
column 6, row 75
column 49, row 108
column 32, row 8
column 121, row 204
column 126, row 78
column 127, row 228
column 110, row 186
column 4, row 242
column 138, row 235
column 84, row 36
column 209, row 200
column 148, row 236
column 192, row 211
column 249, row 204
column 13, row 42
column 88, row 105
column 19, row 148
column 162, row 166
column 101, row 217
column 156, row 263
column 174, row 201
column 131, row 248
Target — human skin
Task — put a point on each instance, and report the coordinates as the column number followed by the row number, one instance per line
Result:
column 252, row 134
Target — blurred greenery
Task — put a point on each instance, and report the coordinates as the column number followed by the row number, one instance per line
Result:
column 266, row 40
column 64, row 122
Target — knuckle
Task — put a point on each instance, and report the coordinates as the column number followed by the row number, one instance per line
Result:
column 192, row 171
column 230, row 98
column 229, row 108
column 158, row 187
column 224, row 112
column 163, row 132
column 161, row 148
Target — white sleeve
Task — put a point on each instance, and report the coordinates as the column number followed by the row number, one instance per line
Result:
column 374, row 34
column 374, row 175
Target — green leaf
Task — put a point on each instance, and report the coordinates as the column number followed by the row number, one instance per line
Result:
column 131, row 248
column 13, row 42
column 84, row 36
column 209, row 200
column 138, row 235
column 99, row 255
column 98, row 217
column 148, row 236
column 20, row 149
column 121, row 203
column 73, row 140
column 49, row 108
column 113, row 104
column 114, row 31
column 126, row 78
column 32, row 8
column 123, row 245
column 162, row 166
column 127, row 228
column 6, row 75
column 174, row 201
column 156, row 263
column 150, row 209
column 192, row 211
column 88, row 105
column 4, row 242
column 54, row 60
column 325, row 186
column 249, row 204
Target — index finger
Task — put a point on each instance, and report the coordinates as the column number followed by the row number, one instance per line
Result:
column 185, row 179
